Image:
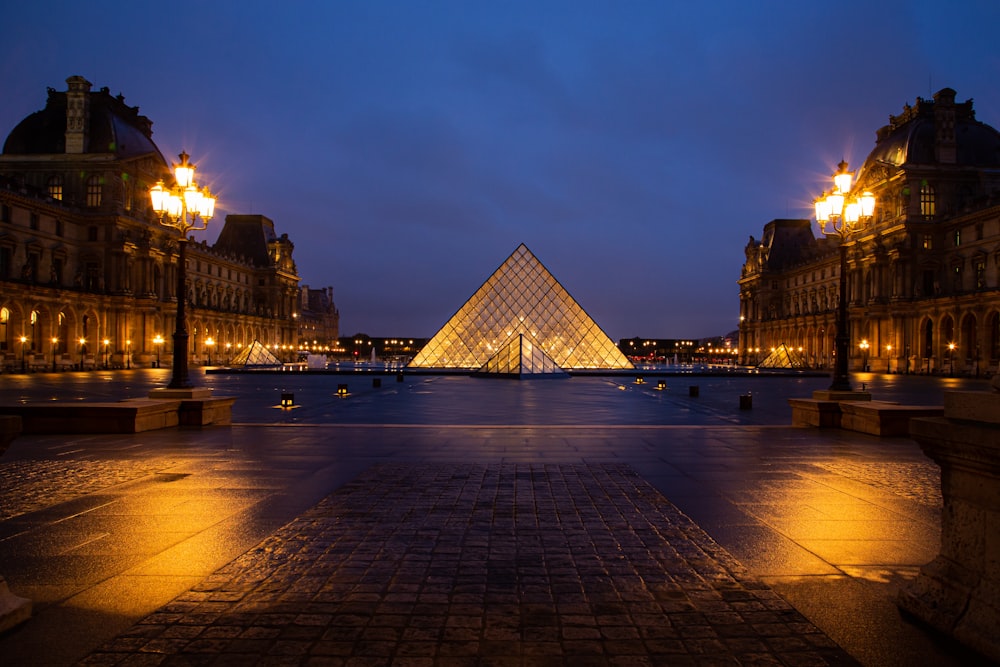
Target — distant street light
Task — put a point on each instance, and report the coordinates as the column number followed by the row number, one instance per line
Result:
column 864, row 354
column 107, row 343
column 951, row 357
column 83, row 348
column 845, row 213
column 55, row 342
column 128, row 353
column 209, row 342
column 158, row 342
column 24, row 340
column 180, row 208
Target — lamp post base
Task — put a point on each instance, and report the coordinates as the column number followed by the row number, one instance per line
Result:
column 192, row 393
column 835, row 395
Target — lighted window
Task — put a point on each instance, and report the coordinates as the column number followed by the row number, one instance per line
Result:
column 55, row 188
column 94, row 191
column 926, row 200
column 980, row 274
column 4, row 321
column 958, row 237
column 928, row 242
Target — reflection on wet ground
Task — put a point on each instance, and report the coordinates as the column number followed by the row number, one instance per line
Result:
column 378, row 398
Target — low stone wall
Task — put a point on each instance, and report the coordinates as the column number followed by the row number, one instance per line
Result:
column 129, row 416
column 880, row 418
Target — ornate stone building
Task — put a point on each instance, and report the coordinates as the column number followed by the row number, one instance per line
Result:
column 88, row 275
column 923, row 275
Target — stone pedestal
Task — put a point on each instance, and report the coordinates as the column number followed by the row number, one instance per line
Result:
column 13, row 609
column 958, row 592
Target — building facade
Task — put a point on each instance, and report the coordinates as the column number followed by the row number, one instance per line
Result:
column 88, row 275
column 923, row 275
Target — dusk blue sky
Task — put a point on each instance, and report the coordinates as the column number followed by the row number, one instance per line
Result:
column 407, row 148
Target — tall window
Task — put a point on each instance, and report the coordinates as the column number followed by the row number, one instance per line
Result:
column 6, row 258
column 55, row 187
column 980, row 274
column 94, row 190
column 995, row 336
column 926, row 200
column 35, row 330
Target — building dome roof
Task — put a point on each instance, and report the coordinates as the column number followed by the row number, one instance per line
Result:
column 935, row 132
column 112, row 127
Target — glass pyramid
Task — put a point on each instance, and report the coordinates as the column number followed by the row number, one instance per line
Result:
column 519, row 358
column 255, row 355
column 521, row 298
column 783, row 357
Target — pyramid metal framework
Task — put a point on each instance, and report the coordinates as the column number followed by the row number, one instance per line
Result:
column 521, row 298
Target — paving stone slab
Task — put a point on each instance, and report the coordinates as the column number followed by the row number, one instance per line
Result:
column 520, row 564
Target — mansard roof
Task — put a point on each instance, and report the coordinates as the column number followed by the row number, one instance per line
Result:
column 113, row 127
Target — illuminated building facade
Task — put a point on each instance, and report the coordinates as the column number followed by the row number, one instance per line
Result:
column 88, row 276
column 923, row 276
column 521, row 298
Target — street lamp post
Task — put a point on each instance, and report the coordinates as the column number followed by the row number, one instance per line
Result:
column 24, row 341
column 844, row 213
column 107, row 343
column 158, row 342
column 209, row 342
column 888, row 359
column 951, row 358
column 55, row 341
column 128, row 353
column 83, row 349
column 185, row 208
column 864, row 354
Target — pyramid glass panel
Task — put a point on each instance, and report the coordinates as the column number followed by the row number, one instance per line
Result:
column 255, row 354
column 521, row 299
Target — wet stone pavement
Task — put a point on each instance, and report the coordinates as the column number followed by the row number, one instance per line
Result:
column 481, row 564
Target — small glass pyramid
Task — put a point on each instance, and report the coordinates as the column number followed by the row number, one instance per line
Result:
column 784, row 357
column 519, row 358
column 521, row 298
column 255, row 355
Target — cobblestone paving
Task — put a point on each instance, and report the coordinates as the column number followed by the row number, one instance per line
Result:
column 32, row 485
column 494, row 564
column 919, row 482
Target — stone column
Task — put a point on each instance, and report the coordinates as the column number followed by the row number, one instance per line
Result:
column 958, row 592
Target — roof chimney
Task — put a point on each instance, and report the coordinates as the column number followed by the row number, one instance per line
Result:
column 77, row 114
column 945, row 148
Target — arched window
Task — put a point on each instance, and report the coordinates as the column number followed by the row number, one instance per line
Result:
column 55, row 188
column 94, row 191
column 927, row 207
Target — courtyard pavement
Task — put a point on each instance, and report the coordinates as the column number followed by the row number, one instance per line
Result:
column 456, row 544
